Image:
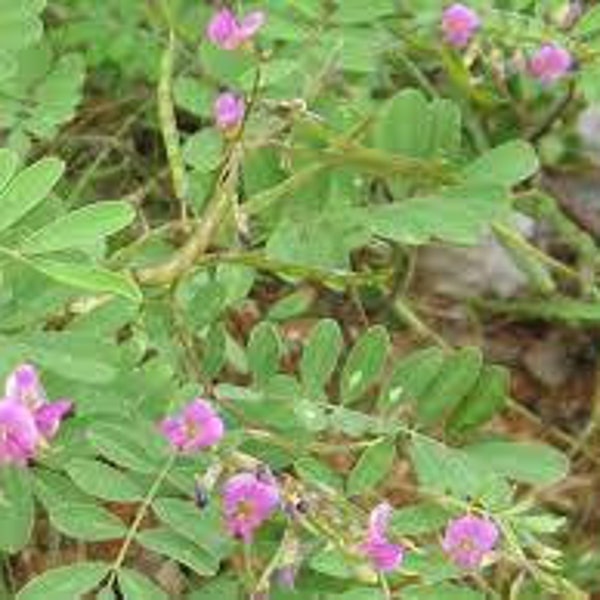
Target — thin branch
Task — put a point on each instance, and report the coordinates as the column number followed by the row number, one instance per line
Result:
column 554, row 114
column 168, row 126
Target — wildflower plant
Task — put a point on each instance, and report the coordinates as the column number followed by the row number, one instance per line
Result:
column 314, row 146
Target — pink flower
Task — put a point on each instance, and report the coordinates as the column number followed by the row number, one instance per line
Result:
column 48, row 417
column 227, row 32
column 19, row 436
column 286, row 576
column 459, row 24
column 469, row 539
column 23, row 385
column 384, row 555
column 550, row 63
column 248, row 501
column 229, row 111
column 196, row 427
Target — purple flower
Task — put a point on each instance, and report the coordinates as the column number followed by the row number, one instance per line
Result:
column 286, row 576
column 229, row 111
column 48, row 417
column 469, row 539
column 248, row 502
column 459, row 24
column 384, row 555
column 196, row 427
column 550, row 63
column 23, row 386
column 19, row 436
column 227, row 32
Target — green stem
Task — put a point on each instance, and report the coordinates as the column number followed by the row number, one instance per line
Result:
column 404, row 311
column 417, row 74
column 139, row 517
column 168, row 126
column 529, row 250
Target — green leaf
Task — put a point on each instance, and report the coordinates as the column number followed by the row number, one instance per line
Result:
column 320, row 356
column 447, row 470
column 488, row 396
column 202, row 151
column 87, row 522
column 9, row 161
column 206, row 305
column 103, row 481
column 419, row 519
column 533, row 463
column 313, row 471
column 213, row 351
column 589, row 24
column 506, row 165
column 16, row 509
column 178, row 548
column 201, row 527
column 49, row 83
column 224, row 588
column 65, row 583
column 404, row 125
column 135, row 586
column 365, row 362
column 292, row 305
column 264, row 351
column 411, row 126
column 354, row 423
column 372, row 467
column 357, row 11
column 322, row 240
column 411, row 376
column 332, row 562
column 120, row 446
column 76, row 357
column 20, row 26
column 457, row 377
column 193, row 95
column 89, row 277
column 52, row 488
column 30, row 187
column 589, row 82
column 80, row 227
column 442, row 591
column 431, row 567
column 460, row 215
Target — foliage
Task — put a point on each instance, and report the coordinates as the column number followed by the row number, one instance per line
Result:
column 364, row 139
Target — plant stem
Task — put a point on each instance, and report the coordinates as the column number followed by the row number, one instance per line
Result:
column 518, row 241
column 403, row 311
column 139, row 517
column 168, row 126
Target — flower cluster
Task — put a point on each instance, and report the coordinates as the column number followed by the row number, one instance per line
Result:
column 196, row 427
column 28, row 422
column 469, row 539
column 228, row 32
column 249, row 499
column 383, row 554
column 229, row 111
column 459, row 24
column 548, row 64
